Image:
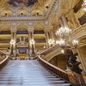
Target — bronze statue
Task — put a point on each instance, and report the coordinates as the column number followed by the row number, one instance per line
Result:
column 72, row 62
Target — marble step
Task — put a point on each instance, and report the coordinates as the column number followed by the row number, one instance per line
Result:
column 28, row 73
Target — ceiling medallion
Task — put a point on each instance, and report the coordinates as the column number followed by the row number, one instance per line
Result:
column 25, row 2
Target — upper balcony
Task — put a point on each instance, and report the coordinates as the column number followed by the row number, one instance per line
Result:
column 20, row 14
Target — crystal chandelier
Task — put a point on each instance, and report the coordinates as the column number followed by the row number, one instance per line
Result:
column 84, row 5
column 64, row 34
column 63, row 31
column 67, row 45
column 61, row 42
column 51, row 42
column 12, row 42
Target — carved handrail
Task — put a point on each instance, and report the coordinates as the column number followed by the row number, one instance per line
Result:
column 41, row 57
column 46, row 51
column 50, row 53
column 2, row 52
column 54, row 69
column 3, row 58
column 67, row 75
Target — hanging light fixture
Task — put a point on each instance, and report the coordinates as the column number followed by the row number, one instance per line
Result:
column 32, row 42
column 61, row 42
column 63, row 31
column 12, row 42
column 51, row 42
column 84, row 6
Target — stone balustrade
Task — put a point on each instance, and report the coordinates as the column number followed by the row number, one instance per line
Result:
column 3, row 58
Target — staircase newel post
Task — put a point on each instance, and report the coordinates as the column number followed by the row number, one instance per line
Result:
column 75, row 73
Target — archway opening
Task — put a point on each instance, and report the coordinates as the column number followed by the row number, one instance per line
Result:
column 22, row 43
column 59, row 61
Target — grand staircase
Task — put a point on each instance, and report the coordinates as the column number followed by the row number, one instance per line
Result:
column 28, row 73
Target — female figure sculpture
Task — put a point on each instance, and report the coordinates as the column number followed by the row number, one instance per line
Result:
column 72, row 62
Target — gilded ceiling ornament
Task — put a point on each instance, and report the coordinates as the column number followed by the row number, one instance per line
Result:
column 4, row 4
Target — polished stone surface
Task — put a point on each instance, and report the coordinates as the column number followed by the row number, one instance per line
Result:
column 28, row 73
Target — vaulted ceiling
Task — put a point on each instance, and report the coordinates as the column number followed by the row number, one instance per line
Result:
column 40, row 8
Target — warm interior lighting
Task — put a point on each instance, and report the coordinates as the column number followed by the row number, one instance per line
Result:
column 57, row 42
column 61, row 42
column 62, row 51
column 84, row 5
column 44, row 47
column 32, row 41
column 64, row 34
column 63, row 31
column 12, row 42
column 75, row 42
column 84, row 9
column 51, row 41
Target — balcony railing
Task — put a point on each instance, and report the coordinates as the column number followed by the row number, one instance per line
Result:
column 49, row 66
column 3, row 58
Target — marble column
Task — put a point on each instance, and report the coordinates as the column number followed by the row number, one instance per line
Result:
column 31, row 46
column 13, row 37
